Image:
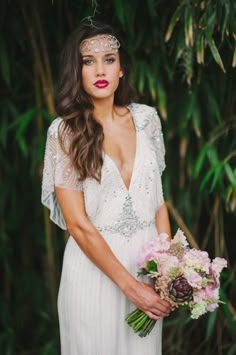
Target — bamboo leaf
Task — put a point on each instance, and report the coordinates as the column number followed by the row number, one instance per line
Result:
column 212, row 156
column 225, row 25
column 188, row 26
column 24, row 121
column 217, row 173
column 207, row 177
column 234, row 57
column 161, row 94
column 151, row 84
column 215, row 53
column 228, row 313
column 230, row 174
column 211, row 324
column 200, row 48
column 47, row 115
column 175, row 18
column 212, row 102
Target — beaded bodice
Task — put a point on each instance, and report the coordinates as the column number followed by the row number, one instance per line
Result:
column 112, row 207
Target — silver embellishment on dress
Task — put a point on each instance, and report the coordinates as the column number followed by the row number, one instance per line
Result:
column 128, row 222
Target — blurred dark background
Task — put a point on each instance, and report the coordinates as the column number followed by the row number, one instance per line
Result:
column 184, row 58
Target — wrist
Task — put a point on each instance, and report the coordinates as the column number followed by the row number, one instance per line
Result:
column 129, row 285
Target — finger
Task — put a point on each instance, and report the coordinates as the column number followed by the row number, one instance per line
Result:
column 152, row 315
column 164, row 302
column 161, row 308
column 159, row 312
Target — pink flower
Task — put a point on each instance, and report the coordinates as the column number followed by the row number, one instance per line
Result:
column 162, row 242
column 180, row 238
column 197, row 259
column 199, row 296
column 166, row 263
column 212, row 306
column 146, row 253
column 218, row 264
column 193, row 278
column 211, row 292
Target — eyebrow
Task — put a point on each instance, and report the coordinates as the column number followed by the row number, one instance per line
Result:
column 92, row 56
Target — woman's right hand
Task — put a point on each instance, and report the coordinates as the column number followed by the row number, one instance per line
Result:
column 143, row 296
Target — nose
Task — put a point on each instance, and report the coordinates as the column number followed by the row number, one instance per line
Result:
column 100, row 69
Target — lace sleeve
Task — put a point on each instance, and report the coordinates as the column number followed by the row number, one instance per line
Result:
column 58, row 171
column 157, row 136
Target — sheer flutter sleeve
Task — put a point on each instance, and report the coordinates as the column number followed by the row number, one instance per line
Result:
column 157, row 137
column 58, row 171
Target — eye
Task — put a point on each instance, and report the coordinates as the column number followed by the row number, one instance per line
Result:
column 87, row 61
column 110, row 60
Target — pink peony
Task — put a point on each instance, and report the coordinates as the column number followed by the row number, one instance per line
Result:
column 211, row 292
column 193, row 278
column 146, row 253
column 197, row 259
column 166, row 263
column 218, row 264
column 162, row 242
column 199, row 296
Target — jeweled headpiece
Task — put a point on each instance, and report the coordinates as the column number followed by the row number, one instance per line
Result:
column 100, row 43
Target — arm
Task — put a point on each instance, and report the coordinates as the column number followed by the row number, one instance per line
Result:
column 94, row 246
column 162, row 220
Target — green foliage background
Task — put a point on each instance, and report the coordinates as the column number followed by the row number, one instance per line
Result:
column 184, row 58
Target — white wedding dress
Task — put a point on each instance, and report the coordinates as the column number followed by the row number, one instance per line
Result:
column 92, row 309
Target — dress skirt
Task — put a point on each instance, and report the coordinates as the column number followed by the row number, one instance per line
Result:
column 92, row 309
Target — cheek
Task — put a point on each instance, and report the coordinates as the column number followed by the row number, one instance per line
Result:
column 85, row 77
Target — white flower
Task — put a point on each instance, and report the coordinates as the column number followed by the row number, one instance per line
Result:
column 180, row 238
column 198, row 310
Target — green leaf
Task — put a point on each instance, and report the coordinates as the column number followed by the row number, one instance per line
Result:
column 174, row 20
column 215, row 52
column 230, row 174
column 24, row 121
column 200, row 40
column 188, row 26
column 212, row 156
column 161, row 95
column 206, row 178
column 213, row 105
column 217, row 175
column 211, row 324
column 229, row 315
column 152, row 266
column 234, row 57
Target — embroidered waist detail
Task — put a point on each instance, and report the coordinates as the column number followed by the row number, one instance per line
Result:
column 127, row 222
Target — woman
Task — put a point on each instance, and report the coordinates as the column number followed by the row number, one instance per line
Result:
column 102, row 182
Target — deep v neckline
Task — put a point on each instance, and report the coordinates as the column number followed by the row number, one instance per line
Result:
column 127, row 188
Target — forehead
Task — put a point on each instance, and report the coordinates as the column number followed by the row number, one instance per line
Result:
column 99, row 43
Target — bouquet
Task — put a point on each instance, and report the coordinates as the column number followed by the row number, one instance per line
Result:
column 181, row 275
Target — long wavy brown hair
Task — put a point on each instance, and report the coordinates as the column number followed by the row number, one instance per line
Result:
column 75, row 107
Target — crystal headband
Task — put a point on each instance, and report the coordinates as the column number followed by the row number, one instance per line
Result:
column 100, row 43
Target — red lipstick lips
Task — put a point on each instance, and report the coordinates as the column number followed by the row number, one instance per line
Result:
column 101, row 84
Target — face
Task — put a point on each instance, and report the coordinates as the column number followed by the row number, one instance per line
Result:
column 101, row 71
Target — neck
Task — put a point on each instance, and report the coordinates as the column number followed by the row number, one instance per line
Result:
column 104, row 109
